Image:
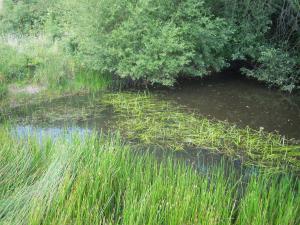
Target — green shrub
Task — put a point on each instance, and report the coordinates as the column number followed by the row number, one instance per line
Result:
column 156, row 41
column 24, row 16
column 266, row 33
column 13, row 64
column 276, row 67
column 150, row 40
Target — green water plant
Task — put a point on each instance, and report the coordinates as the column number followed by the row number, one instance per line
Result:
column 99, row 180
column 145, row 119
column 3, row 90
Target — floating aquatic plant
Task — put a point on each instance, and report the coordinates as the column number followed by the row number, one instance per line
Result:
column 145, row 119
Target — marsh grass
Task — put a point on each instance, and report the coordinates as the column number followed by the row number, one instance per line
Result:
column 99, row 180
column 3, row 90
column 146, row 119
column 92, row 81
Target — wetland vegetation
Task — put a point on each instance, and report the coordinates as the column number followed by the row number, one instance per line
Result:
column 99, row 179
column 144, row 118
column 97, row 127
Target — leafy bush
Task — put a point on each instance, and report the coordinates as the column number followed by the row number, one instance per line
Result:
column 13, row 64
column 149, row 40
column 276, row 67
column 267, row 33
column 24, row 16
column 156, row 41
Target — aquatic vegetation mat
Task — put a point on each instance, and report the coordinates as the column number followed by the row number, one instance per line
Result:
column 145, row 119
column 66, row 109
column 99, row 180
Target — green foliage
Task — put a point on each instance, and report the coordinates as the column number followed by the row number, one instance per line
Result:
column 13, row 64
column 3, row 90
column 150, row 40
column 251, row 20
column 266, row 33
column 91, row 80
column 24, row 16
column 276, row 67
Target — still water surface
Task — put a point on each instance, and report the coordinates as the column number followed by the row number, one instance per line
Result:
column 241, row 101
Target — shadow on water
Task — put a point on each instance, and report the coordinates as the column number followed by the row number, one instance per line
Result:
column 232, row 97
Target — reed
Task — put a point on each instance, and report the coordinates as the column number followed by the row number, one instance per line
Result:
column 99, row 180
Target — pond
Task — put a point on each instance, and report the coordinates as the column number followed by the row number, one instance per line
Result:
column 241, row 101
column 223, row 97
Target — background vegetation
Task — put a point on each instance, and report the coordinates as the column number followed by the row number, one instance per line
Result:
column 151, row 41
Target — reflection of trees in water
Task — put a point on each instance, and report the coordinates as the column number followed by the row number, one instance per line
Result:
column 275, row 101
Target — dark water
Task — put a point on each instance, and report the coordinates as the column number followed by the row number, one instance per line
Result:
column 241, row 101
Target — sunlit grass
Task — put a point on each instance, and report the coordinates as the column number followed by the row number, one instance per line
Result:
column 100, row 180
column 146, row 119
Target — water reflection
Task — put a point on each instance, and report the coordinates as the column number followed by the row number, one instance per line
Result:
column 241, row 101
column 49, row 133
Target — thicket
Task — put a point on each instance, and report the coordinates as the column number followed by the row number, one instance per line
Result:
column 154, row 41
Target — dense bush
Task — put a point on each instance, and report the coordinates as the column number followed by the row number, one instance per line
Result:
column 276, row 67
column 157, row 41
column 150, row 40
column 24, row 16
column 267, row 33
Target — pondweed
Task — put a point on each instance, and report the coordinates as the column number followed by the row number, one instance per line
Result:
column 99, row 180
column 144, row 118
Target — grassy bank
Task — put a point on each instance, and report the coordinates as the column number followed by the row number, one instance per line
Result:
column 99, row 180
column 146, row 119
column 38, row 65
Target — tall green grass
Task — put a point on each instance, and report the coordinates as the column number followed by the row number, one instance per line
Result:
column 43, row 61
column 99, row 180
column 3, row 90
column 90, row 80
column 146, row 119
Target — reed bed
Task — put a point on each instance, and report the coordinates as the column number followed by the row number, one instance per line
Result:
column 145, row 119
column 99, row 180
